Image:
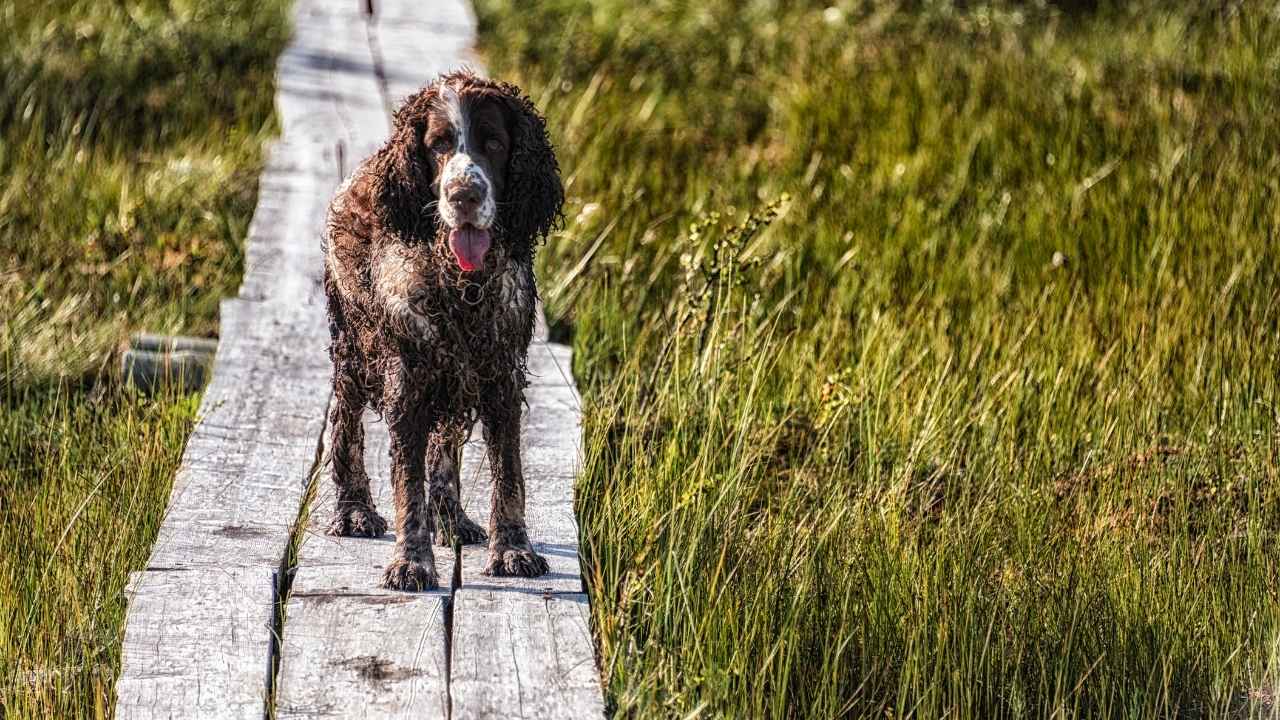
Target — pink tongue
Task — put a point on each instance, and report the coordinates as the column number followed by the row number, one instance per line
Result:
column 469, row 245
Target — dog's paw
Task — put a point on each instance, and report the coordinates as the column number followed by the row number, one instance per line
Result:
column 466, row 530
column 357, row 521
column 509, row 561
column 410, row 575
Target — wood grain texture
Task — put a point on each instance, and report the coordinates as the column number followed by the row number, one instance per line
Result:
column 244, row 470
column 197, row 644
column 417, row 42
column 199, row 621
column 517, row 655
column 350, row 648
column 364, row 654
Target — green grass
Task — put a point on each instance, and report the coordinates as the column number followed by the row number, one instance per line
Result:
column 131, row 138
column 984, row 422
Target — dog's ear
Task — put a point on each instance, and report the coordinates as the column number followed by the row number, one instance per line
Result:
column 406, row 171
column 534, row 195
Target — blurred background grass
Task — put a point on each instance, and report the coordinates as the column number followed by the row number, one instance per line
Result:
column 131, row 138
column 930, row 350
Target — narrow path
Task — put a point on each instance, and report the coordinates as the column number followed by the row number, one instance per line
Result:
column 220, row 623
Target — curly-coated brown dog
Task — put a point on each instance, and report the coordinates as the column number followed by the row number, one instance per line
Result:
column 429, row 277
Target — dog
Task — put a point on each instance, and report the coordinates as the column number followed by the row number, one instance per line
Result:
column 428, row 278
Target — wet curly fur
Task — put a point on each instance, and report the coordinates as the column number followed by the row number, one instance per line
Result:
column 428, row 346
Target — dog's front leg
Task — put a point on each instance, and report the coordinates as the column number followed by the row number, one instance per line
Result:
column 510, row 552
column 354, row 515
column 413, row 567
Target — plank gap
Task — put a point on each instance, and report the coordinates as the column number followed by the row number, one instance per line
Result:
column 379, row 63
column 273, row 647
column 448, row 647
column 282, row 580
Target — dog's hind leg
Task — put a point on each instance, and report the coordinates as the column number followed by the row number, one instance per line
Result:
column 510, row 552
column 444, row 463
column 355, row 514
column 414, row 566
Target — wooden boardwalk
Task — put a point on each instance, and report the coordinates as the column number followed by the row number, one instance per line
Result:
column 246, row 609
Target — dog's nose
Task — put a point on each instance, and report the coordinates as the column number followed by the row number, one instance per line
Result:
column 465, row 197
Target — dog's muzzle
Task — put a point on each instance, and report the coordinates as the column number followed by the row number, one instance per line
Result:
column 467, row 207
column 466, row 194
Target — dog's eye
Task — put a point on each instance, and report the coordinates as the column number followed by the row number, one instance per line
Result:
column 493, row 145
column 441, row 143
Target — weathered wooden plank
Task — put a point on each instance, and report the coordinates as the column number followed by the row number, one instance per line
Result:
column 452, row 18
column 227, row 526
column 436, row 46
column 245, row 466
column 363, row 653
column 435, row 38
column 281, row 256
column 357, row 85
column 327, row 94
column 517, row 655
column 148, row 371
column 153, row 342
column 197, row 644
column 352, row 649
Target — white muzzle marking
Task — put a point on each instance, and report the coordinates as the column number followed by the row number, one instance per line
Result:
column 462, row 170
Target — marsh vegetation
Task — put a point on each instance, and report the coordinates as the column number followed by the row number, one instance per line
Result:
column 930, row 352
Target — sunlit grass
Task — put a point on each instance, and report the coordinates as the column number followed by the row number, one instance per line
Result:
column 984, row 422
column 131, row 136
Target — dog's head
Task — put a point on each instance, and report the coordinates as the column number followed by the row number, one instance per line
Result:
column 471, row 163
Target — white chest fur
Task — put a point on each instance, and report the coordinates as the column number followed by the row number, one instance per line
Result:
column 401, row 285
